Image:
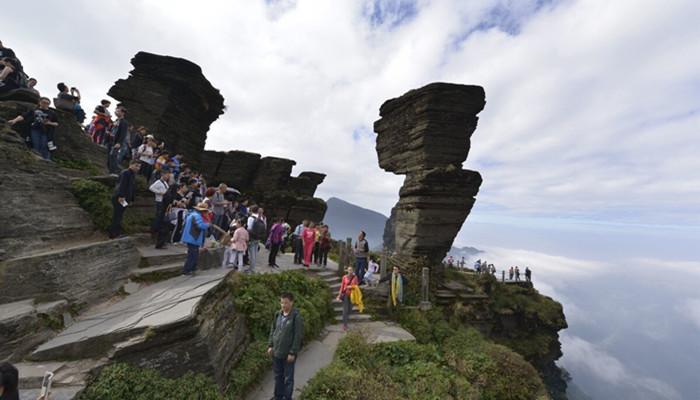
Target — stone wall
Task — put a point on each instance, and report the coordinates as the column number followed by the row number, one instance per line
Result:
column 268, row 181
column 425, row 135
column 34, row 192
column 211, row 343
column 173, row 99
column 81, row 274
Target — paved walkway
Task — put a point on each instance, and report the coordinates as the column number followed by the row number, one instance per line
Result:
column 319, row 353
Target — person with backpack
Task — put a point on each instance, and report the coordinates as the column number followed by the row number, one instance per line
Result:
column 308, row 237
column 274, row 241
column 43, row 122
column 284, row 343
column 528, row 274
column 193, row 235
column 361, row 250
column 258, row 232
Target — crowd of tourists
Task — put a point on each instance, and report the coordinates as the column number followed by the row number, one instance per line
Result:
column 483, row 267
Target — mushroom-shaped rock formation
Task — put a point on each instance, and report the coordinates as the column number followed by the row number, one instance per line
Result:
column 172, row 98
column 425, row 135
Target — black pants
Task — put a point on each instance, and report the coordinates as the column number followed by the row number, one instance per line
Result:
column 323, row 256
column 298, row 247
column 271, row 260
column 317, row 253
column 117, row 216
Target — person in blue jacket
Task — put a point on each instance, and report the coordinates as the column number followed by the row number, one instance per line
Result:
column 193, row 235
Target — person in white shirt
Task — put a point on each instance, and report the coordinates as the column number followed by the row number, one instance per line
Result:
column 160, row 188
column 146, row 154
column 257, row 231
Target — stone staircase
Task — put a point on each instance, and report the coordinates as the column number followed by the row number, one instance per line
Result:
column 453, row 292
column 158, row 305
column 333, row 280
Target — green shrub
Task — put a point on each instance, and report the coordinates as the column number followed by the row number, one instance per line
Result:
column 257, row 296
column 81, row 165
column 94, row 198
column 353, row 351
column 339, row 382
column 122, row 381
column 498, row 372
column 254, row 363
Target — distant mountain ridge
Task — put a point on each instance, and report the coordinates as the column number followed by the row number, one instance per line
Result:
column 346, row 220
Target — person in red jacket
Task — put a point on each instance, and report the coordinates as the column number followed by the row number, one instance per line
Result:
column 308, row 236
column 346, row 285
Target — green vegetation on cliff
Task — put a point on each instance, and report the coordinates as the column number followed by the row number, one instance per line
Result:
column 448, row 361
column 122, row 381
column 257, row 297
column 96, row 198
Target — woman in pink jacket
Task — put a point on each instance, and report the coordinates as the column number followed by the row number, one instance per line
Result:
column 239, row 244
column 308, row 236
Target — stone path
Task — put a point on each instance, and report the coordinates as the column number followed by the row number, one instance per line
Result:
column 160, row 304
column 319, row 353
column 108, row 326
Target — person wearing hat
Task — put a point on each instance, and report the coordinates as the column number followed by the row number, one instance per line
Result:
column 193, row 235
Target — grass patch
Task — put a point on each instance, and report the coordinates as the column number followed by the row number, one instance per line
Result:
column 448, row 361
column 257, row 297
column 80, row 165
column 96, row 199
column 121, row 381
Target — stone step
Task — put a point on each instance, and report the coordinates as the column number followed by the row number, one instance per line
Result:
column 157, row 273
column 335, row 287
column 25, row 324
column 88, row 272
column 151, row 257
column 154, row 307
column 327, row 273
column 357, row 317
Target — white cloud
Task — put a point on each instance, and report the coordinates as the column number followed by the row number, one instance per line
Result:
column 690, row 310
column 586, row 356
column 592, row 107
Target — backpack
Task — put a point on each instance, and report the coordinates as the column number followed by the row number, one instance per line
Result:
column 259, row 230
column 366, row 247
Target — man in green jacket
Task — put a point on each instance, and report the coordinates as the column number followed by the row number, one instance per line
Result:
column 286, row 334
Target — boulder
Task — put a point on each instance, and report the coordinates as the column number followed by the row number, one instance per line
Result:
column 235, row 168
column 428, row 127
column 273, row 174
column 425, row 135
column 172, row 98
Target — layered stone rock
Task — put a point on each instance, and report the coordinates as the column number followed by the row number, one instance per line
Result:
column 81, row 274
column 176, row 326
column 35, row 189
column 173, row 99
column 268, row 181
column 425, row 134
